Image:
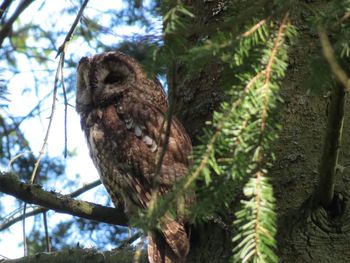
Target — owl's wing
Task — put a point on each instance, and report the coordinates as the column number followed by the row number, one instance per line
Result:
column 139, row 130
column 148, row 128
column 146, row 123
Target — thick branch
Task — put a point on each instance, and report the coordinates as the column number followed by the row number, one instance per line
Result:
column 39, row 210
column 6, row 28
column 329, row 159
column 34, row 194
column 4, row 6
column 81, row 255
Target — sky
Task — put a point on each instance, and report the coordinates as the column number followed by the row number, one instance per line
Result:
column 22, row 102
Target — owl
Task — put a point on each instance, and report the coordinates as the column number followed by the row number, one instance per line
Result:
column 123, row 115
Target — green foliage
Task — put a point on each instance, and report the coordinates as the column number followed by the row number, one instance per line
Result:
column 238, row 152
column 231, row 165
column 235, row 153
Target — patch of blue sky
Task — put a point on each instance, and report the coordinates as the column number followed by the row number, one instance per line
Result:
column 26, row 91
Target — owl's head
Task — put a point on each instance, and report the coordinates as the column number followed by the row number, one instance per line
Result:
column 105, row 77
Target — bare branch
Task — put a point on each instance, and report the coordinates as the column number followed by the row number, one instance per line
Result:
column 4, row 6
column 130, row 240
column 81, row 255
column 71, row 30
column 39, row 210
column 34, row 194
column 328, row 53
column 7, row 27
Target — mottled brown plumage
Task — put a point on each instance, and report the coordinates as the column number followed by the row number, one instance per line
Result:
column 122, row 114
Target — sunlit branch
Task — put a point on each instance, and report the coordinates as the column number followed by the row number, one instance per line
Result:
column 254, row 28
column 33, row 194
column 39, row 210
column 210, row 147
column 277, row 44
column 130, row 240
column 259, row 174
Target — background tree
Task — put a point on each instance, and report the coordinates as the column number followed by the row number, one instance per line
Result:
column 247, row 69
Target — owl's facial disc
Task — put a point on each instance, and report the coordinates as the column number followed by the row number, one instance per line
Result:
column 103, row 78
column 115, row 78
column 116, row 74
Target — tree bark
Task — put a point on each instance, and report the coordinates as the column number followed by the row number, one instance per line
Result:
column 82, row 255
column 34, row 194
column 305, row 233
column 197, row 96
column 308, row 233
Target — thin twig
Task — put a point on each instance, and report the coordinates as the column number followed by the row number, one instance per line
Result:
column 74, row 25
column 254, row 28
column 85, row 188
column 15, row 220
column 328, row 53
column 138, row 251
column 53, row 108
column 14, row 159
column 59, row 72
column 277, row 44
column 47, row 238
column 25, row 249
column 65, row 110
column 210, row 147
column 129, row 240
column 32, row 112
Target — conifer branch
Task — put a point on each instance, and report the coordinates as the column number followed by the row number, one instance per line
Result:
column 254, row 28
column 258, row 189
column 210, row 147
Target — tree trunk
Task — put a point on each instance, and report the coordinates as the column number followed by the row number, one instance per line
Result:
column 197, row 96
column 305, row 233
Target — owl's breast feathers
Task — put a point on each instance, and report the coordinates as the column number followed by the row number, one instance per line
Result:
column 125, row 139
column 123, row 116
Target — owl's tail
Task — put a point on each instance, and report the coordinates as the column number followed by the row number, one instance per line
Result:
column 169, row 246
